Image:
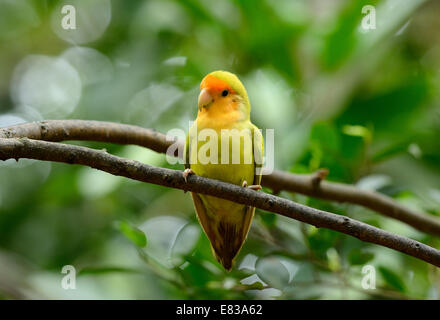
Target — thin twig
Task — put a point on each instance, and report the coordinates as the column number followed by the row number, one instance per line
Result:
column 13, row 148
column 312, row 184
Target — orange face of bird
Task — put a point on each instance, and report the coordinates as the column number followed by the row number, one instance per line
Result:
column 217, row 98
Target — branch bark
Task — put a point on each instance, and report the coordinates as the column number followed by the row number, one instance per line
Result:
column 311, row 185
column 15, row 148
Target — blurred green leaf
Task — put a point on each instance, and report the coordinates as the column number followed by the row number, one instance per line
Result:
column 105, row 270
column 334, row 260
column 322, row 240
column 326, row 135
column 390, row 151
column 392, row 111
column 358, row 131
column 341, row 40
column 358, row 257
column 132, row 233
column 392, row 279
column 269, row 219
column 272, row 271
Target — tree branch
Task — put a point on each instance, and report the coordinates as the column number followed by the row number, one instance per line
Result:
column 13, row 148
column 311, row 185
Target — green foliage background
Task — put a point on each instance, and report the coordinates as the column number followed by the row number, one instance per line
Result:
column 365, row 105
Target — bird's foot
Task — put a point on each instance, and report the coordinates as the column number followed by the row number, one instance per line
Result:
column 254, row 187
column 186, row 173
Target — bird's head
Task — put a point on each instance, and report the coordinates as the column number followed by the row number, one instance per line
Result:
column 223, row 94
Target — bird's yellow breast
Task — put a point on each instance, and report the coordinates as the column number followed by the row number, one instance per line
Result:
column 203, row 164
column 227, row 172
column 231, row 171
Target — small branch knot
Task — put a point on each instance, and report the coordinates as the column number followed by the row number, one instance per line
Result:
column 318, row 176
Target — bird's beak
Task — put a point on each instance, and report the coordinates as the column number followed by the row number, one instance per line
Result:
column 205, row 99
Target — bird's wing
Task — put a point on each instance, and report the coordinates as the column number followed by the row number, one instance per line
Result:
column 186, row 154
column 258, row 150
column 207, row 220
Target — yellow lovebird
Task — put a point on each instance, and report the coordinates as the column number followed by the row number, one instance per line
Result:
column 224, row 118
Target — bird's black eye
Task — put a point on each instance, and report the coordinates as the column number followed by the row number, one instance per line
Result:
column 225, row 93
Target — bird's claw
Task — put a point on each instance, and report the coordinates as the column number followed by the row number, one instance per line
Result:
column 186, row 173
column 254, row 187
